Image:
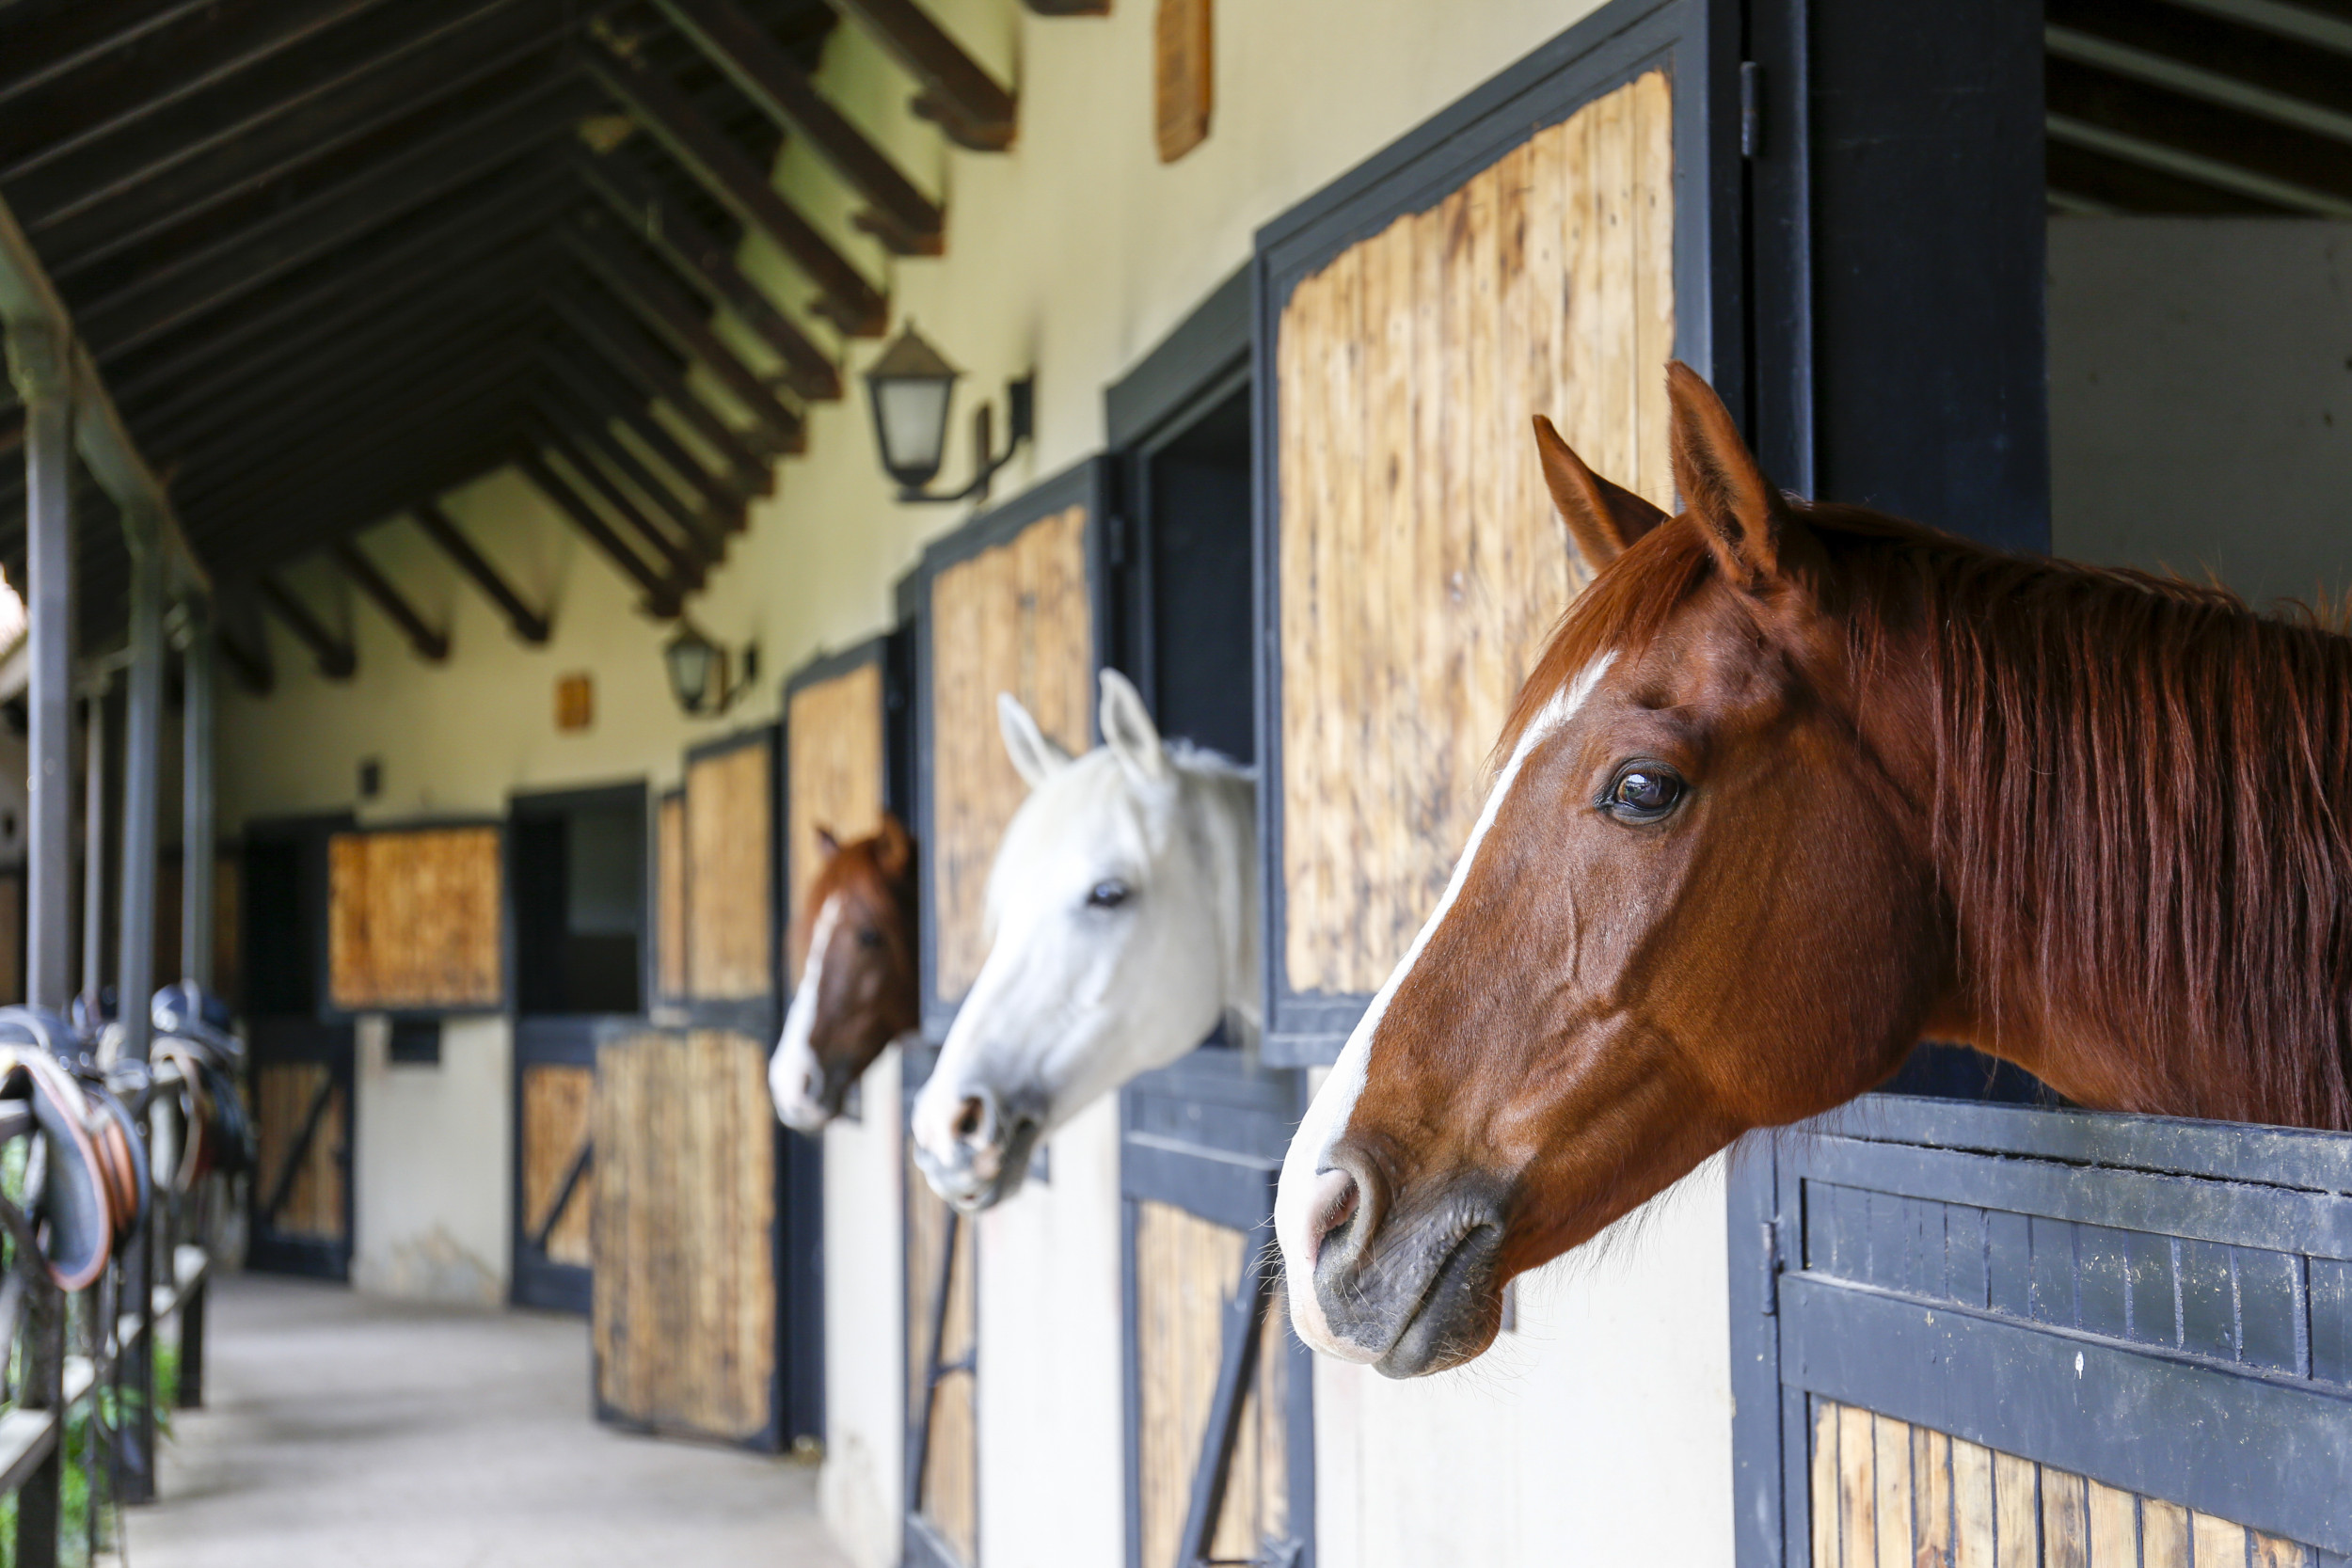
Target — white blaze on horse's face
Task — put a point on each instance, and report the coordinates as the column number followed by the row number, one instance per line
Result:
column 1122, row 926
column 795, row 1080
column 1309, row 1186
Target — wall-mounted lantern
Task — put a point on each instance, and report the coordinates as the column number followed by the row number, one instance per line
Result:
column 911, row 388
column 700, row 674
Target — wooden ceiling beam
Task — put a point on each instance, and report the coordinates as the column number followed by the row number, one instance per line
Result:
column 593, row 385
column 74, row 36
column 436, row 525
column 188, row 286
column 656, row 104
column 616, row 339
column 905, row 220
column 431, row 643
column 683, row 561
column 2284, row 158
column 86, row 216
column 337, row 661
column 662, row 598
column 2281, row 67
column 641, row 286
column 476, row 229
column 110, row 91
column 970, row 106
column 708, row 263
column 703, row 529
column 2128, row 187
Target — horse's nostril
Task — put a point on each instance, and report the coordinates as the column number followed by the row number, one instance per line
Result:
column 969, row 1115
column 1334, row 1202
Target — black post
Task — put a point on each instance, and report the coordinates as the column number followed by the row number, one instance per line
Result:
column 40, row 1517
column 37, row 364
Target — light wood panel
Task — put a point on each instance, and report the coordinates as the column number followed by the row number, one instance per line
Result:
column 951, row 1473
column 684, row 1304
column 1186, row 1270
column 558, row 1102
column 414, row 918
column 833, row 779
column 670, row 895
column 1886, row 1493
column 283, row 1095
column 1420, row 563
column 730, row 856
column 1015, row 618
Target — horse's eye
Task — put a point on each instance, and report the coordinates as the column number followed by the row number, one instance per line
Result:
column 1645, row 792
column 1106, row 895
column 869, row 938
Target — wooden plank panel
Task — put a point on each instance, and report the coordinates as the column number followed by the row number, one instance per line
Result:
column 1858, row 1487
column 2065, row 1521
column 833, row 779
column 1421, row 565
column 1016, row 617
column 730, row 827
column 1825, row 1472
column 2016, row 1513
column 2213, row 1540
column 557, row 1099
column 1974, row 1540
column 284, row 1092
column 2271, row 1551
column 2162, row 1535
column 2114, row 1521
column 1931, row 1497
column 1891, row 1470
column 670, row 895
column 684, row 1316
column 414, row 918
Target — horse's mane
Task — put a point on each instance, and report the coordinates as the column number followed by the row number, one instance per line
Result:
column 2142, row 803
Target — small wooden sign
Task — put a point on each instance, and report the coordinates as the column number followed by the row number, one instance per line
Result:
column 1184, row 76
column 575, row 703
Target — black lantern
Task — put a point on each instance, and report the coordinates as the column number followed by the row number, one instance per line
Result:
column 698, row 671
column 911, row 388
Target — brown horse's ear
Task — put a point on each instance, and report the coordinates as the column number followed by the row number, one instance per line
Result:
column 1747, row 522
column 894, row 851
column 1603, row 518
column 827, row 842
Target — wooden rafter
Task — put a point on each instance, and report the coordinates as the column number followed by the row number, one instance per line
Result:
column 337, row 659
column 661, row 597
column 593, row 384
column 853, row 305
column 528, row 623
column 431, row 643
column 903, row 218
column 706, row 526
column 616, row 337
column 2280, row 162
column 970, row 107
column 684, row 564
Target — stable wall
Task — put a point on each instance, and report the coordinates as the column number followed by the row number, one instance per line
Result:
column 429, row 1145
column 862, row 1488
column 2200, row 399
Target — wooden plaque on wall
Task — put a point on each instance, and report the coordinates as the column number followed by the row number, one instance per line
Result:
column 1183, row 75
column 414, row 919
column 1011, row 609
column 729, row 869
column 833, row 730
column 1418, row 560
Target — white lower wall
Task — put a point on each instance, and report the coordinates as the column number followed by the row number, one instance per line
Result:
column 432, row 1166
column 861, row 1489
column 1053, row 1455
column 1599, row 1432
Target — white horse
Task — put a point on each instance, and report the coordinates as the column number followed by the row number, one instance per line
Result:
column 1123, row 913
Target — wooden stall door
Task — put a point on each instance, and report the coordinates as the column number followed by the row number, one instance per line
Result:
column 833, row 765
column 301, row 1195
column 1011, row 607
column 943, row 1470
column 730, row 894
column 2014, row 1335
column 1221, row 1455
column 555, row 1150
column 685, row 1317
column 1417, row 561
column 416, row 920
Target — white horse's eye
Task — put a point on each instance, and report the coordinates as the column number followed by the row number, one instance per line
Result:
column 1106, row 895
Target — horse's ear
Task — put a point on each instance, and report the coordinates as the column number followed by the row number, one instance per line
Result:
column 1602, row 518
column 1035, row 755
column 1128, row 730
column 894, row 851
column 828, row 841
column 1747, row 522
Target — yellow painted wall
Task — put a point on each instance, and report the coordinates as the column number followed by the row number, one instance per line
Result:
column 1071, row 256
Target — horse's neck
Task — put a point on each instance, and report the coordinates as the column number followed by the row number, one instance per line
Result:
column 1227, row 809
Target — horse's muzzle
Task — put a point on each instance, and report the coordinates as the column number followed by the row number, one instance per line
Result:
column 1414, row 1287
column 982, row 1159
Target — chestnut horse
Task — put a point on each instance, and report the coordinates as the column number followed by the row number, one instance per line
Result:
column 1792, row 787
column 858, row 986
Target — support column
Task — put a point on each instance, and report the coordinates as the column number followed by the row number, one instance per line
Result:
column 198, row 834
column 37, row 365
column 94, row 843
column 142, row 749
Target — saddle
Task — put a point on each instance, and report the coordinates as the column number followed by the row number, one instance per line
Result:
column 191, row 1035
column 93, row 1179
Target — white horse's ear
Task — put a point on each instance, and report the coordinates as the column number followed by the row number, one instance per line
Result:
column 1128, row 730
column 1035, row 755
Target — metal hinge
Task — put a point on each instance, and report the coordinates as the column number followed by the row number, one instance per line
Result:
column 1751, row 109
column 1770, row 1304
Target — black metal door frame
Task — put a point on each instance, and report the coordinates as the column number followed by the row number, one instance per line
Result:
column 925, row 1547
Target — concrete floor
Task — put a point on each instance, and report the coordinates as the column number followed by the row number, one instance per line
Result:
column 342, row 1431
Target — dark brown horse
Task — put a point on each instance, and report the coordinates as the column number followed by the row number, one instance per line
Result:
column 858, row 986
column 1792, row 787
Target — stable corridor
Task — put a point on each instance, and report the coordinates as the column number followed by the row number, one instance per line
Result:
column 355, row 1433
